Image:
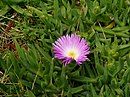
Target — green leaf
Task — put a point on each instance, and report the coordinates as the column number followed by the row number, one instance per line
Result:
column 110, row 32
column 93, row 91
column 127, row 90
column 119, row 91
column 128, row 60
column 29, row 93
column 84, row 79
column 75, row 89
column 56, row 8
column 45, row 55
column 39, row 13
column 4, row 10
column 21, row 10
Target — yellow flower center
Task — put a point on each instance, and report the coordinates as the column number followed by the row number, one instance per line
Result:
column 72, row 54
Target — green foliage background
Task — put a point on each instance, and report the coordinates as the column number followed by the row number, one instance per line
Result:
column 33, row 72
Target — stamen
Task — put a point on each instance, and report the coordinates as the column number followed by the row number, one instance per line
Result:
column 72, row 54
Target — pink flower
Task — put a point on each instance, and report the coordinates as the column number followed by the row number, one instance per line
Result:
column 71, row 47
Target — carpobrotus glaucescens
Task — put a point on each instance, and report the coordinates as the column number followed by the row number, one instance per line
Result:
column 71, row 47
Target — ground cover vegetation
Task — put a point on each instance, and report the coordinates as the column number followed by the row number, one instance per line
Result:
column 27, row 64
